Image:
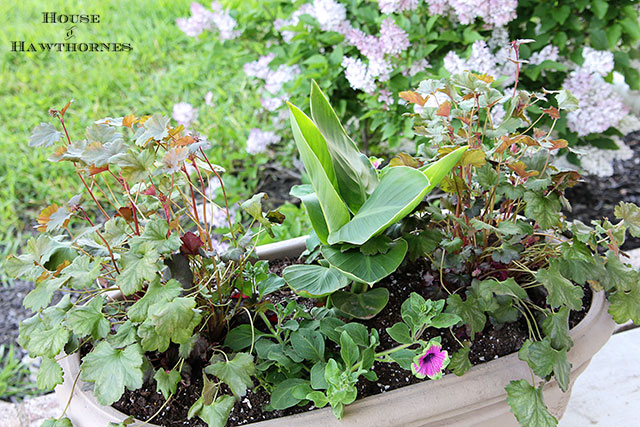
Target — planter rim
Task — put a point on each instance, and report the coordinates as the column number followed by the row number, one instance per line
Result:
column 486, row 381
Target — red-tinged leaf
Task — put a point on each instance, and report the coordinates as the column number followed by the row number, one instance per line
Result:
column 64, row 110
column 521, row 170
column 552, row 112
column 150, row 191
column 558, row 143
column 413, row 97
column 539, row 133
column 568, row 178
column 129, row 120
column 185, row 140
column 59, row 152
column 404, row 159
column 444, row 110
column 44, row 217
column 125, row 212
column 484, row 77
column 94, row 170
column 190, row 243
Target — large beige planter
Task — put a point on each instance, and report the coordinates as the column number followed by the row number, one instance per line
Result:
column 478, row 398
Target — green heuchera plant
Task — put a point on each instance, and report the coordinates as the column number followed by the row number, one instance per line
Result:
column 162, row 265
column 498, row 236
column 351, row 205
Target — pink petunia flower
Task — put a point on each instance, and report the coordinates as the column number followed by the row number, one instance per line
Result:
column 431, row 363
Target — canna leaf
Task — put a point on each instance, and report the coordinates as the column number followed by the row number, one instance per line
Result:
column 355, row 176
column 315, row 156
column 314, row 280
column 363, row 268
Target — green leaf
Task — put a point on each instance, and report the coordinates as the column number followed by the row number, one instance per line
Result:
column 507, row 253
column 47, row 342
column 566, row 101
column 543, row 209
column 41, row 296
column 348, row 349
column 310, row 201
column 404, row 358
column 400, row 333
column 241, row 337
column 468, row 311
column 102, row 154
column 138, row 266
column 561, row 291
column 317, row 161
column 401, row 189
column 167, row 382
column 556, row 327
column 52, row 422
column 317, row 376
column 217, row 413
column 313, row 281
column 284, row 394
column 361, row 305
column 126, row 334
column 271, row 284
column 618, row 275
column 507, row 287
column 155, row 235
column 625, row 305
column 235, row 373
column 308, row 344
column 630, row 213
column 112, row 370
column 49, row 375
column 45, row 134
column 175, row 319
column 527, row 404
column 363, row 268
column 253, row 207
column 88, row 320
column 438, row 170
column 599, row 8
column 423, row 243
column 82, row 272
column 460, row 362
column 136, row 165
column 156, row 293
column 355, row 176
column 154, row 128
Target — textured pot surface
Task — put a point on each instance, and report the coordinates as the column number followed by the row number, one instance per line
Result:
column 478, row 398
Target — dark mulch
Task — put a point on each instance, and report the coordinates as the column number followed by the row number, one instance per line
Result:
column 490, row 344
column 596, row 197
column 12, row 313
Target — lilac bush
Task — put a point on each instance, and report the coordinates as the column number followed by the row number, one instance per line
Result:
column 368, row 53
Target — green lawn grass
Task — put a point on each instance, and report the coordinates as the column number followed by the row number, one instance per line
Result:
column 164, row 67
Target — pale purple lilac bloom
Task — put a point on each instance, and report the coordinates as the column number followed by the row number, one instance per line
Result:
column 184, row 113
column 396, row 6
column 259, row 140
column 202, row 19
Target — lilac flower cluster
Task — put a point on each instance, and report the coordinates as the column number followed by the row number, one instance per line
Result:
column 184, row 113
column 493, row 12
column 600, row 106
column 378, row 50
column 391, row 42
column 397, row 6
column 259, row 140
column 202, row 19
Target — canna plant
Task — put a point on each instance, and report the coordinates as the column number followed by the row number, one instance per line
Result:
column 160, row 273
column 351, row 206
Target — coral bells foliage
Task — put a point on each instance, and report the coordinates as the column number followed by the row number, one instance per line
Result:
column 500, row 237
column 154, row 225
